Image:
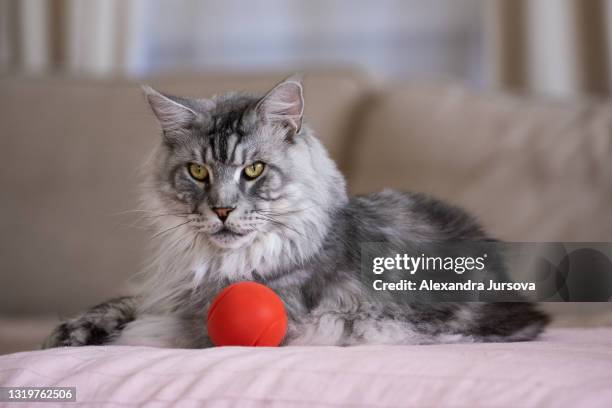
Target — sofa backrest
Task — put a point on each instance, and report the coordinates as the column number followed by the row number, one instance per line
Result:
column 71, row 149
column 70, row 153
column 530, row 170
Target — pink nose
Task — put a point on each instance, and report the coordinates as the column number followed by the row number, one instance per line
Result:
column 222, row 212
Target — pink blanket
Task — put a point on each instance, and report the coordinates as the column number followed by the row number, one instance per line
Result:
column 567, row 367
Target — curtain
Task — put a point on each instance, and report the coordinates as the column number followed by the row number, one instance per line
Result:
column 558, row 48
column 79, row 36
column 390, row 38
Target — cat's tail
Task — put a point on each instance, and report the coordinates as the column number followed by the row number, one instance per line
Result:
column 99, row 325
column 508, row 321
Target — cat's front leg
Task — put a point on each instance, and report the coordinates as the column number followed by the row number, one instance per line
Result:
column 167, row 331
column 98, row 325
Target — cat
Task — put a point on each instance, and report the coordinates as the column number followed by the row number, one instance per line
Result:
column 240, row 188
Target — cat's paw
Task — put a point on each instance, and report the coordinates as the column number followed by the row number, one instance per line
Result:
column 99, row 325
column 83, row 331
column 69, row 334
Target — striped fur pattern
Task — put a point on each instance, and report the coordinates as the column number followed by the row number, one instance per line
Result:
column 292, row 228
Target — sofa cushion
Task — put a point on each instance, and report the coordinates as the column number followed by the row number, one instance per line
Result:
column 566, row 367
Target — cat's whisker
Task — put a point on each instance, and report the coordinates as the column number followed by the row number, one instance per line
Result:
column 130, row 212
column 141, row 222
column 280, row 224
column 146, row 215
column 182, row 215
column 281, row 212
column 170, row 229
column 136, row 226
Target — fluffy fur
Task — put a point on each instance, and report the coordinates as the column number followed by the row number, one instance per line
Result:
column 293, row 228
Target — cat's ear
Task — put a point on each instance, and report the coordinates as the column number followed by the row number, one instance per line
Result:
column 174, row 113
column 284, row 104
column 171, row 114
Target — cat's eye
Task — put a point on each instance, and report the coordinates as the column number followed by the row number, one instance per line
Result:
column 254, row 170
column 197, row 171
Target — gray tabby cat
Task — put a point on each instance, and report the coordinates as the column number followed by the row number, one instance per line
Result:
column 241, row 189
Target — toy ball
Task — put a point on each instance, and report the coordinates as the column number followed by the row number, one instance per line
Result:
column 246, row 314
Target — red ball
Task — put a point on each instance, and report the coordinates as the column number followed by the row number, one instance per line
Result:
column 246, row 314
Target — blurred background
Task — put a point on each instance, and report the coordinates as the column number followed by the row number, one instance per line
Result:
column 499, row 106
column 550, row 47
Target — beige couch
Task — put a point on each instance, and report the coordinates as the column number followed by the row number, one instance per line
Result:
column 70, row 150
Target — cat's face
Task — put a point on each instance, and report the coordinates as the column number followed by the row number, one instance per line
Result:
column 236, row 167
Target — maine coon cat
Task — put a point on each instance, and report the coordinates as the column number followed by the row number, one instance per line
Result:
column 241, row 189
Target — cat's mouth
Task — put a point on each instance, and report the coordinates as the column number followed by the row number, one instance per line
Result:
column 226, row 232
column 227, row 239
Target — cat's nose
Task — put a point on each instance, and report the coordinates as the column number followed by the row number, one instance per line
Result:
column 223, row 212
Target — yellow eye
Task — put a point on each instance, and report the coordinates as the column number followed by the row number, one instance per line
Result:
column 254, row 170
column 197, row 171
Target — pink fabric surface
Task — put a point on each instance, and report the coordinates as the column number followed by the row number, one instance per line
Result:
column 567, row 367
